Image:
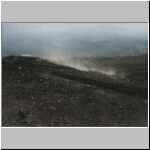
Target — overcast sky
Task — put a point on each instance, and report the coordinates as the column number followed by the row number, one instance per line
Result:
column 73, row 39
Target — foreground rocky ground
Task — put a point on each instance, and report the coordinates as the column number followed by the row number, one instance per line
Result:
column 36, row 92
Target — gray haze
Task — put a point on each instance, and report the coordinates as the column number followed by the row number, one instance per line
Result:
column 56, row 40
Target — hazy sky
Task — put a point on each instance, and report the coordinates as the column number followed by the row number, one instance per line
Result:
column 73, row 39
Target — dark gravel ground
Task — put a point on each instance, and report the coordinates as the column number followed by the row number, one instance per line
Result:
column 36, row 92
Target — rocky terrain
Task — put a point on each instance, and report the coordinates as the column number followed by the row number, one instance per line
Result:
column 37, row 92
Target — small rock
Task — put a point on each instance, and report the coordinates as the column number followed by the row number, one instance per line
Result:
column 19, row 67
column 58, row 101
column 32, row 97
column 53, row 108
column 41, row 80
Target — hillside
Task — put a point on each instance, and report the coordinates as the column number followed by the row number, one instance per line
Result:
column 36, row 92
